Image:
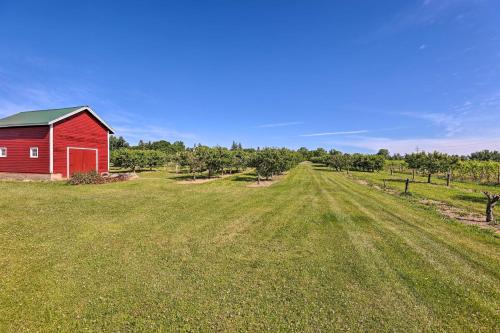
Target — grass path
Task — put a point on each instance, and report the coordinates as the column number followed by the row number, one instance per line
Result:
column 314, row 252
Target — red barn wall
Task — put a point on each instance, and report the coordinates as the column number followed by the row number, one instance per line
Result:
column 81, row 131
column 18, row 141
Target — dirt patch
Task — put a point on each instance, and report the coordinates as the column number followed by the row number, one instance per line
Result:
column 444, row 209
column 361, row 181
column 460, row 215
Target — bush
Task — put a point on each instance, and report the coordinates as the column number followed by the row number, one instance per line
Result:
column 92, row 177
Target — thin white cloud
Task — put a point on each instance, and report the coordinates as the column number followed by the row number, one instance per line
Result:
column 480, row 115
column 336, row 133
column 459, row 146
column 145, row 132
column 424, row 13
column 292, row 123
column 422, row 47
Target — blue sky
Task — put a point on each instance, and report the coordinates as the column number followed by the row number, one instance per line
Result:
column 351, row 75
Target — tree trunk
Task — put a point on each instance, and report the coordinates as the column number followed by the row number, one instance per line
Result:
column 258, row 178
column 209, row 173
column 429, row 178
column 392, row 171
column 407, row 185
column 448, row 178
column 489, row 213
column 413, row 174
column 492, row 201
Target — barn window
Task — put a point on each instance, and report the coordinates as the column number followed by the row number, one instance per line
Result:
column 3, row 152
column 34, row 152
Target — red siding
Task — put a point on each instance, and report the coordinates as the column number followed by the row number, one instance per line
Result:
column 18, row 141
column 79, row 131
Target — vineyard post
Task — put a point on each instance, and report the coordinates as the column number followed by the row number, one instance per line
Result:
column 448, row 178
column 498, row 174
column 407, row 185
column 413, row 174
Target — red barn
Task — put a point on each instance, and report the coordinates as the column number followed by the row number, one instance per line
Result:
column 54, row 144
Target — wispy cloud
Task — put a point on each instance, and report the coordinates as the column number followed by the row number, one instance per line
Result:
column 463, row 145
column 450, row 122
column 292, row 123
column 146, row 132
column 479, row 115
column 336, row 133
column 425, row 13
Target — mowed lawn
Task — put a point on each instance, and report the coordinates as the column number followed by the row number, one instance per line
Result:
column 314, row 252
column 467, row 196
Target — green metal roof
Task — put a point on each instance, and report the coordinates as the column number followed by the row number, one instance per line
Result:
column 38, row 117
column 45, row 117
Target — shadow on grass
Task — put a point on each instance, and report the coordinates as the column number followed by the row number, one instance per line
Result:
column 247, row 177
column 470, row 198
column 403, row 180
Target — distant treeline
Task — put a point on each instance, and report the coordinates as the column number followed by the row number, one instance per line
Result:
column 479, row 166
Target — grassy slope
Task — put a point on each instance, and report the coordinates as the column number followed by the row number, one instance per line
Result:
column 465, row 195
column 313, row 252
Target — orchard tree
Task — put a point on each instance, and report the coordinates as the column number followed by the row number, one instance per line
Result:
column 239, row 159
column 415, row 161
column 492, row 201
column 192, row 161
column 435, row 162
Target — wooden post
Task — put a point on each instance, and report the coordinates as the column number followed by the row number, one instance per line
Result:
column 498, row 174
column 407, row 185
column 391, row 171
column 448, row 178
column 413, row 174
column 384, row 184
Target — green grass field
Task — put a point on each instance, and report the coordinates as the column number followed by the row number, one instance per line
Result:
column 314, row 252
column 465, row 195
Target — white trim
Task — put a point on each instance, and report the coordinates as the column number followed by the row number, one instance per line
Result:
column 4, row 156
column 96, row 158
column 31, row 152
column 85, row 108
column 51, row 149
column 108, row 150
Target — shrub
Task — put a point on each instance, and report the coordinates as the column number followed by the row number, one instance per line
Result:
column 91, row 177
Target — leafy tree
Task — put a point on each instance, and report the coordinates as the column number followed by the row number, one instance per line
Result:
column 239, row 159
column 192, row 161
column 271, row 161
column 236, row 146
column 153, row 158
column 486, row 155
column 384, row 153
column 129, row 159
column 304, row 153
column 117, row 142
